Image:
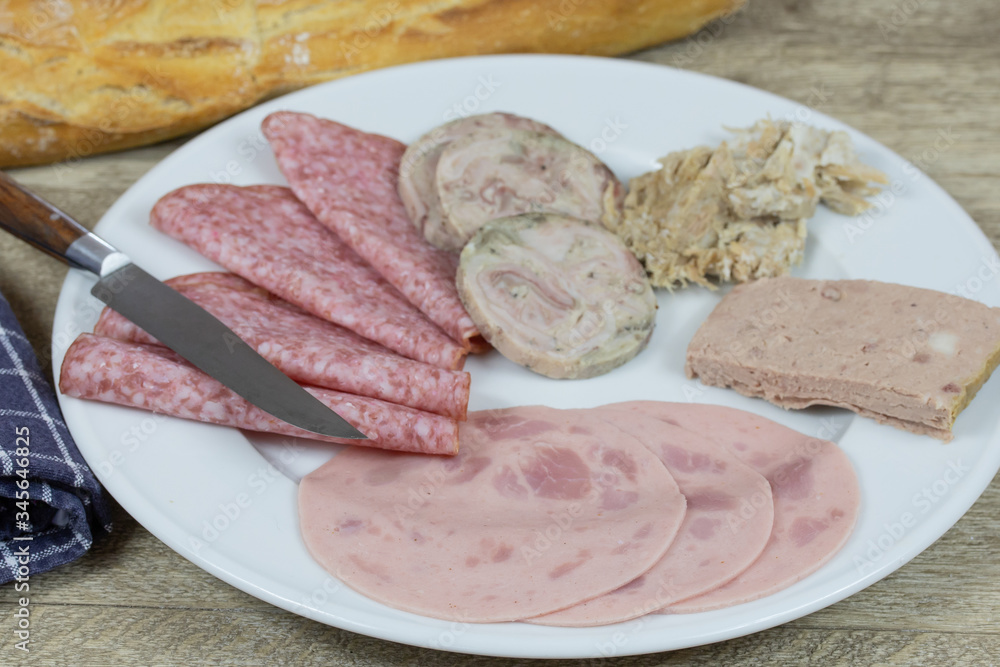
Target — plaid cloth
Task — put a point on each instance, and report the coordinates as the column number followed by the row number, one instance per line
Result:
column 65, row 506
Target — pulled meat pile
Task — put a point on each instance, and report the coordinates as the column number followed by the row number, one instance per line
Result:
column 739, row 211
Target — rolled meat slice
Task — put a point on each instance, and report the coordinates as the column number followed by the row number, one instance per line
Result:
column 540, row 510
column 815, row 491
column 418, row 169
column 563, row 297
column 348, row 179
column 266, row 235
column 307, row 349
column 727, row 524
column 152, row 377
column 498, row 173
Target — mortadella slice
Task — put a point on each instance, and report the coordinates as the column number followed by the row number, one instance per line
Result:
column 310, row 350
column 348, row 179
column 266, row 235
column 153, row 378
column 540, row 510
column 815, row 490
column 727, row 524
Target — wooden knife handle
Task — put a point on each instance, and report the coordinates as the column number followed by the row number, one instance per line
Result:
column 36, row 221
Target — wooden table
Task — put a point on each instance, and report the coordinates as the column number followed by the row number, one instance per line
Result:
column 904, row 72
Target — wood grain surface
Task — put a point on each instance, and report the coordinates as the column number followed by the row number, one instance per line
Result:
column 906, row 73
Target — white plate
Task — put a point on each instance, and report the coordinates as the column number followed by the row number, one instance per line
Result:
column 210, row 495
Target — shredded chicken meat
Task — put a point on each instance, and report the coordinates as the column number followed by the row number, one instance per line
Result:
column 738, row 212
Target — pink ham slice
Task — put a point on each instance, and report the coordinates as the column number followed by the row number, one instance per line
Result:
column 348, row 179
column 540, row 510
column 728, row 523
column 267, row 236
column 310, row 350
column 152, row 377
column 816, row 496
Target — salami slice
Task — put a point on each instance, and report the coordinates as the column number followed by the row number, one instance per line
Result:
column 348, row 179
column 541, row 509
column 728, row 522
column 310, row 350
column 152, row 377
column 418, row 170
column 815, row 491
column 266, row 235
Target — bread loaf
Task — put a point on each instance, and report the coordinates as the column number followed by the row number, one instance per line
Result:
column 80, row 77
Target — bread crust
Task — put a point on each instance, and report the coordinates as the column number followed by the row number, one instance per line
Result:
column 83, row 77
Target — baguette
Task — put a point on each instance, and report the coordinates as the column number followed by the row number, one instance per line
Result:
column 84, row 77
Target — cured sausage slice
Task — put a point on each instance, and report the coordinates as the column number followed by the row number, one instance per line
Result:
column 541, row 509
column 266, row 235
column 152, row 377
column 563, row 297
column 418, row 169
column 728, row 522
column 815, row 490
column 348, row 179
column 307, row 349
column 498, row 173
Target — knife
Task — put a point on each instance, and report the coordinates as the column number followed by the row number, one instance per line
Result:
column 165, row 313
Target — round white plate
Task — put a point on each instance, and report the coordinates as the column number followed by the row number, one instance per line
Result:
column 212, row 494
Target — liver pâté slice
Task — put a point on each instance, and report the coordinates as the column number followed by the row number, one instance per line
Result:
column 905, row 356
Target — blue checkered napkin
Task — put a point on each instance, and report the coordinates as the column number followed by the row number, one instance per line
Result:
column 65, row 505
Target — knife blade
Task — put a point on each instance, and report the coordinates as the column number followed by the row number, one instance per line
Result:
column 173, row 319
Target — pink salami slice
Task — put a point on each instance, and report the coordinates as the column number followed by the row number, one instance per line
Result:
column 348, row 179
column 151, row 377
column 815, row 490
column 266, row 235
column 310, row 350
column 540, row 510
column 728, row 522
